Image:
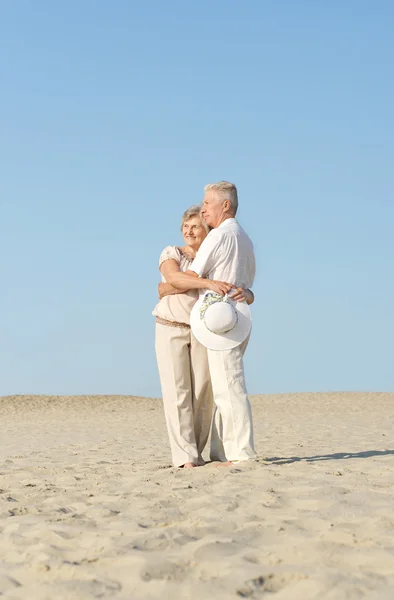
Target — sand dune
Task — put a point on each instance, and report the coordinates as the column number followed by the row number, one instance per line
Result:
column 91, row 508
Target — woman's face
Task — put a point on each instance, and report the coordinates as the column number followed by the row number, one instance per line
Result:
column 194, row 232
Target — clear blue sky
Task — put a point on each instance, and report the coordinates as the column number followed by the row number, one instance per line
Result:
column 114, row 115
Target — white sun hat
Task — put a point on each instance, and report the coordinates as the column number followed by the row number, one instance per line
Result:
column 220, row 323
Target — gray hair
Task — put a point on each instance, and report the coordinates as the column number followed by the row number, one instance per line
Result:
column 226, row 191
column 193, row 211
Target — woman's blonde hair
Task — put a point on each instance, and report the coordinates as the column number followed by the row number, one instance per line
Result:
column 193, row 211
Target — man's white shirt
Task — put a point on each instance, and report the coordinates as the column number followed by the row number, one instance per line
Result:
column 226, row 254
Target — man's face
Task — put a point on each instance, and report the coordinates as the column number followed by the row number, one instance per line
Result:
column 213, row 209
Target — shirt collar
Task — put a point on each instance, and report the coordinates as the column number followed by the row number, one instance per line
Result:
column 228, row 221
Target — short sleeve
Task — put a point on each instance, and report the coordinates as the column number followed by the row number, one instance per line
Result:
column 206, row 255
column 171, row 252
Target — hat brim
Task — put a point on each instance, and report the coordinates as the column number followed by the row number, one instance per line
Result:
column 225, row 341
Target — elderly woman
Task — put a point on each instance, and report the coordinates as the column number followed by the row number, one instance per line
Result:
column 181, row 359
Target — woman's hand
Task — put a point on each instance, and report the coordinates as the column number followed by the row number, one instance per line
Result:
column 220, row 287
column 242, row 295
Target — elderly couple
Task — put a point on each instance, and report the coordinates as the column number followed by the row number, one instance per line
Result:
column 203, row 326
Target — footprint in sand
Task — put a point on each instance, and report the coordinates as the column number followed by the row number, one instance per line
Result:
column 271, row 583
column 211, row 552
column 163, row 570
column 94, row 588
column 7, row 583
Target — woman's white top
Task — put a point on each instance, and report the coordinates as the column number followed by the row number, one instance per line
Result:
column 176, row 307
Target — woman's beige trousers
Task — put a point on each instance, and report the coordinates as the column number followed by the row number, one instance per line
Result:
column 187, row 392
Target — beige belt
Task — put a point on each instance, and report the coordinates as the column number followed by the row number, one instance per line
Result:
column 172, row 323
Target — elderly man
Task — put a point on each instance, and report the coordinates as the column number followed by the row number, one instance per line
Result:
column 227, row 254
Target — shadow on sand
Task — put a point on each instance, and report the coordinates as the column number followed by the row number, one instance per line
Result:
column 281, row 460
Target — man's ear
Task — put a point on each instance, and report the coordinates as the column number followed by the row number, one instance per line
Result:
column 228, row 208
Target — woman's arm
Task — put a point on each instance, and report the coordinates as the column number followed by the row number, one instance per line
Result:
column 249, row 297
column 242, row 295
column 166, row 289
column 190, row 280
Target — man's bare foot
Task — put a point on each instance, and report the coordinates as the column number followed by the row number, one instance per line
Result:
column 228, row 463
column 189, row 465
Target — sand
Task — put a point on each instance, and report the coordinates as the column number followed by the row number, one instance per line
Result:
column 91, row 507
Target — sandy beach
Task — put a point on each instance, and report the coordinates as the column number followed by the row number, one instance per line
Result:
column 91, row 507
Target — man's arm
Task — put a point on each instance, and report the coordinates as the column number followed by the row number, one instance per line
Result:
column 207, row 255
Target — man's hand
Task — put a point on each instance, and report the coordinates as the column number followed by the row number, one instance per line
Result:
column 220, row 287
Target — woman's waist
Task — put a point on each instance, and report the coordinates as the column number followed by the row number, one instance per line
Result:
column 172, row 323
column 175, row 308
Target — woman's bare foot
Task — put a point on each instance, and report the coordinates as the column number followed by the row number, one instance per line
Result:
column 189, row 465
